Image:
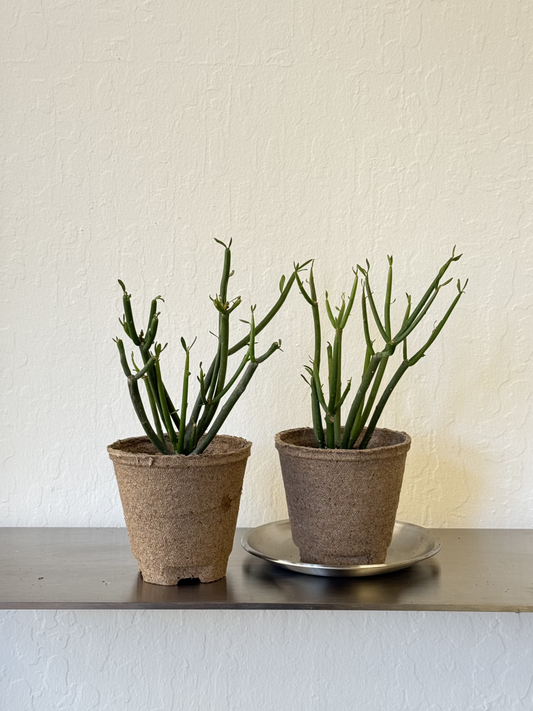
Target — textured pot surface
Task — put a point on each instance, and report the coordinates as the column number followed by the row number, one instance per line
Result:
column 342, row 502
column 181, row 511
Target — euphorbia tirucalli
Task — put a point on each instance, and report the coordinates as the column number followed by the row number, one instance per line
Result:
column 189, row 431
column 364, row 412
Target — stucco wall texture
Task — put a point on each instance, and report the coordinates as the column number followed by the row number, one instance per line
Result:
column 136, row 132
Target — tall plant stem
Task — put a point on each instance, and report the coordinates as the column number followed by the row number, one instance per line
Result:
column 212, row 370
column 138, row 406
column 404, row 365
column 335, row 394
column 223, row 322
column 152, row 377
column 184, row 396
column 226, row 408
column 317, row 416
column 224, row 347
column 429, row 292
column 364, row 414
column 388, row 296
column 153, row 407
column 358, row 399
column 166, row 414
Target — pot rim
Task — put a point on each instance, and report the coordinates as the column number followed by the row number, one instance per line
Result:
column 119, row 453
column 303, row 452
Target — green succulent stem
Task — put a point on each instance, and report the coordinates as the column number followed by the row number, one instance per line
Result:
column 123, row 359
column 334, row 405
column 164, row 405
column 405, row 364
column 273, row 311
column 273, row 348
column 184, row 398
column 369, row 400
column 138, row 406
column 364, row 414
column 366, row 329
column 226, row 409
column 233, row 398
column 359, row 400
column 431, row 288
column 153, row 408
column 211, row 375
column 372, row 303
column 151, row 332
column 128, row 317
column 143, row 371
column 388, row 295
column 351, row 300
column 233, row 379
column 317, row 416
column 382, row 402
column 192, row 434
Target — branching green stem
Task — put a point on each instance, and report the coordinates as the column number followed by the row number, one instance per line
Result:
column 364, row 407
column 193, row 434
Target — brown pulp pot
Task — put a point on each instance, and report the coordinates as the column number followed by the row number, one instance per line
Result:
column 342, row 502
column 181, row 511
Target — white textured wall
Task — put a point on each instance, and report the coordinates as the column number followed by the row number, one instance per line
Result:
column 134, row 133
column 267, row 661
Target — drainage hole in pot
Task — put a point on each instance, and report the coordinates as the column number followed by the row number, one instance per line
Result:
column 189, row 581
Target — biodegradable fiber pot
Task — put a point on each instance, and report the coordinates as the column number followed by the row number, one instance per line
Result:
column 342, row 502
column 180, row 511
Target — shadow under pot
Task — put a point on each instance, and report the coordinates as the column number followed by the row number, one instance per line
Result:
column 342, row 502
column 181, row 511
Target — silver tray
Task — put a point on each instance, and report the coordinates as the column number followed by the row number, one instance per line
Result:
column 273, row 542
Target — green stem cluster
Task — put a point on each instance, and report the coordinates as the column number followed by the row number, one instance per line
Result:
column 171, row 431
column 364, row 414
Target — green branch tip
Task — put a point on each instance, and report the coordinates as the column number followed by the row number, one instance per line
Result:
column 300, row 267
column 233, row 305
column 226, row 246
column 187, row 348
column 453, row 257
column 134, row 363
column 303, row 292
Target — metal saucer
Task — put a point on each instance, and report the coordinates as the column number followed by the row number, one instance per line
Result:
column 273, row 542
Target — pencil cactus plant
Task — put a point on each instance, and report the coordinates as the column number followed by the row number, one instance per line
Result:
column 183, row 432
column 363, row 411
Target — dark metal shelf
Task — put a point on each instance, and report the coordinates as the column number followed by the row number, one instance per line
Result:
column 92, row 568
